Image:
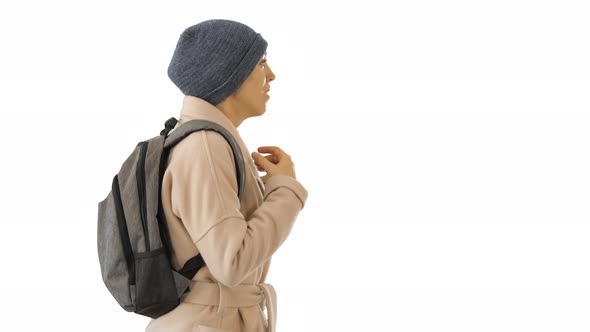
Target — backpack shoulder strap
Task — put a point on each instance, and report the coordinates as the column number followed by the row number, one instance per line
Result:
column 173, row 137
column 192, row 126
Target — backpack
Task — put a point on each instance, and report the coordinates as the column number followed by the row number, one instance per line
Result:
column 134, row 245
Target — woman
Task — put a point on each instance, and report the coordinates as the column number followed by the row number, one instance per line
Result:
column 221, row 68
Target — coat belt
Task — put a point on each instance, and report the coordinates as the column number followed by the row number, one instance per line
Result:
column 216, row 294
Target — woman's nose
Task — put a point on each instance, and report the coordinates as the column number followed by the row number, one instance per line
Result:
column 271, row 75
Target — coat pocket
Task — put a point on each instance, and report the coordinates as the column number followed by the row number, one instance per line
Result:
column 203, row 328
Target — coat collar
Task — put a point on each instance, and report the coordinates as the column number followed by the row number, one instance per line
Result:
column 196, row 108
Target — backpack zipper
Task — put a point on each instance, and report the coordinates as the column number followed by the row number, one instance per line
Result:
column 123, row 232
column 141, row 191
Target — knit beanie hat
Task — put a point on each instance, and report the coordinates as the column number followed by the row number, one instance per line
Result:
column 213, row 58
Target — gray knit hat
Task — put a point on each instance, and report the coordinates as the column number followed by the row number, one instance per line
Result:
column 213, row 58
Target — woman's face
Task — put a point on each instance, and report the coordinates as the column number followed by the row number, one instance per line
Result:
column 252, row 95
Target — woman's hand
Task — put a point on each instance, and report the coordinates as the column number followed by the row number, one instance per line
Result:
column 276, row 162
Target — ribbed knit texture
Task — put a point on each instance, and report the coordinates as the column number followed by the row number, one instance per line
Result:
column 213, row 58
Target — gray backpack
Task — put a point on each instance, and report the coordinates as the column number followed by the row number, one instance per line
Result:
column 134, row 245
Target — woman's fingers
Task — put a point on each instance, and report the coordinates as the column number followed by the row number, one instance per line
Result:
column 276, row 153
column 262, row 161
column 270, row 158
column 271, row 149
column 267, row 149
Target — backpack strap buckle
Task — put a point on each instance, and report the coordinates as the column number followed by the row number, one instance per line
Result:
column 168, row 126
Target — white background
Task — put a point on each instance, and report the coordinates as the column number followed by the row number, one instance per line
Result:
column 444, row 145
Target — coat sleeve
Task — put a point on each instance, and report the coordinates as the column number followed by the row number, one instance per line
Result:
column 206, row 200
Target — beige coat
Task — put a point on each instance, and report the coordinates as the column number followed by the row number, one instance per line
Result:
column 235, row 238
